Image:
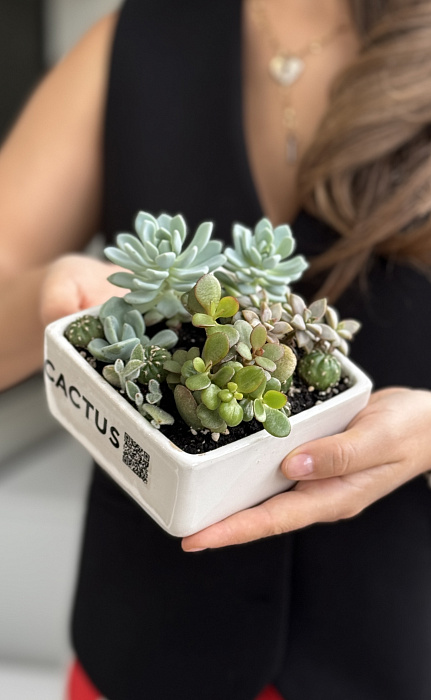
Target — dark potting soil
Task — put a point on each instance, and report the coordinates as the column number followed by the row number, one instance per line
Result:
column 300, row 397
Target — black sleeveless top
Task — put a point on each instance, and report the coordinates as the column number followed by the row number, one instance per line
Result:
column 151, row 622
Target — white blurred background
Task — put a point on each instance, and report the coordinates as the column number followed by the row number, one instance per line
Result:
column 43, row 472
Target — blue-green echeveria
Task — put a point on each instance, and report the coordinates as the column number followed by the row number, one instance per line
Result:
column 161, row 271
column 259, row 261
column 124, row 328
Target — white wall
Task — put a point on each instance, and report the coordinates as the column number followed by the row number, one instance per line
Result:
column 67, row 20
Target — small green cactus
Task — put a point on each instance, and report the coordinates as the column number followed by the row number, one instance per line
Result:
column 319, row 369
column 83, row 330
column 153, row 360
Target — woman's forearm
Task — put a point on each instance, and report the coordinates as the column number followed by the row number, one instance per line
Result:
column 21, row 337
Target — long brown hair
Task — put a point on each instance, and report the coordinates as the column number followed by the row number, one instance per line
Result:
column 368, row 172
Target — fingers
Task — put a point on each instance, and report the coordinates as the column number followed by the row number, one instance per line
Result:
column 59, row 297
column 360, row 447
column 272, row 517
column 323, row 501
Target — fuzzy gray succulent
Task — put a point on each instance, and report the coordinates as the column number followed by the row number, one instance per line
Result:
column 120, row 373
column 124, row 329
column 317, row 327
column 306, row 321
column 161, row 271
column 148, row 406
column 259, row 261
column 343, row 331
column 270, row 316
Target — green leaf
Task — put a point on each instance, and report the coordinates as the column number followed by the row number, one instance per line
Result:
column 197, row 382
column 208, row 292
column 211, row 419
column 230, row 331
column 187, row 370
column 275, row 399
column 199, row 364
column 159, row 416
column 187, row 406
column 191, row 303
column 249, row 378
column 286, row 365
column 203, row 321
column 277, row 423
column 265, row 363
column 223, row 376
column 173, row 378
column 165, row 339
column 258, row 337
column 231, row 413
column 273, row 384
column 243, row 350
column 210, row 398
column 244, row 329
column 273, row 351
column 111, row 376
column 179, row 356
column 227, row 307
column 137, row 353
column 258, row 392
column 259, row 410
column 172, row 366
column 247, row 407
column 216, row 348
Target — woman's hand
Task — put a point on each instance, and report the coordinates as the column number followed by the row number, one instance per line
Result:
column 385, row 445
column 74, row 283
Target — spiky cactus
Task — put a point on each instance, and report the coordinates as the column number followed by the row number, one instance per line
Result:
column 83, row 330
column 319, row 369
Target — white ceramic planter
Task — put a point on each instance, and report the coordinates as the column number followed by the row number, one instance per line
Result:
column 182, row 492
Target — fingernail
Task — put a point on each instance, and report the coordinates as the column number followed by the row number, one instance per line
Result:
column 196, row 549
column 299, row 465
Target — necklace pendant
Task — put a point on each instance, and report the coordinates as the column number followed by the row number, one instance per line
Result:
column 286, row 70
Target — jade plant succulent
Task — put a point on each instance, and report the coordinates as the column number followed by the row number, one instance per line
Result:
column 256, row 340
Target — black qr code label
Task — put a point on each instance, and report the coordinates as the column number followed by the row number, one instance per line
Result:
column 136, row 458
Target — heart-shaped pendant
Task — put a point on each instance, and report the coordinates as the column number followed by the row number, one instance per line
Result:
column 285, row 70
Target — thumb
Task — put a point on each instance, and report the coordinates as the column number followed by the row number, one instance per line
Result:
column 337, row 455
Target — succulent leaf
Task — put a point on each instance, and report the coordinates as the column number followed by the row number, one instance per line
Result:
column 216, row 348
column 277, row 423
column 187, row 406
column 249, row 379
column 211, row 419
column 274, row 399
column 258, row 260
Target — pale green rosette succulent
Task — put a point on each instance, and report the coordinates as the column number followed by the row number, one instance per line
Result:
column 124, row 329
column 259, row 261
column 160, row 270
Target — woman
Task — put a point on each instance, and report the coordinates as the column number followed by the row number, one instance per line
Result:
column 223, row 111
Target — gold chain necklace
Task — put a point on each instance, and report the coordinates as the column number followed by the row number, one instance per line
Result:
column 286, row 67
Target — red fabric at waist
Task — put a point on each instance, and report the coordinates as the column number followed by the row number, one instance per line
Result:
column 80, row 687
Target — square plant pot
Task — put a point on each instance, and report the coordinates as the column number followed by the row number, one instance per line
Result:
column 182, row 492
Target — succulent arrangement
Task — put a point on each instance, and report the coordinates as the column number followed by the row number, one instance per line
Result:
column 258, row 338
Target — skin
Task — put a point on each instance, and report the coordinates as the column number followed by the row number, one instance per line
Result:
column 50, row 198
